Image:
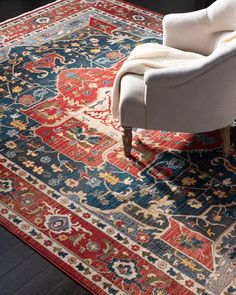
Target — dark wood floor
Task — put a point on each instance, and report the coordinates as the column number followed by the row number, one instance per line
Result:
column 25, row 272
column 172, row 6
column 13, row 8
column 22, row 270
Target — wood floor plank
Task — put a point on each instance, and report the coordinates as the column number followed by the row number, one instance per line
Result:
column 23, row 273
column 7, row 241
column 13, row 257
column 68, row 287
column 43, row 283
column 2, row 229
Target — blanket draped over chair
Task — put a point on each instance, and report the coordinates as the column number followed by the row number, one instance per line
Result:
column 155, row 56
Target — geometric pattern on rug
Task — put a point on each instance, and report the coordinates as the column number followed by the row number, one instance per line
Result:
column 162, row 223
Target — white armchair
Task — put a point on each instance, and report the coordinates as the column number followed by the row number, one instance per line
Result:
column 193, row 97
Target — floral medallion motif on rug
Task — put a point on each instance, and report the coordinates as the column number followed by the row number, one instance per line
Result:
column 162, row 223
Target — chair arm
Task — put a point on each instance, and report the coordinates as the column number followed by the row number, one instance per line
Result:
column 174, row 76
column 181, row 98
column 188, row 31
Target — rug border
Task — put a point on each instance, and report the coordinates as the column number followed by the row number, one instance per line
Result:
column 58, row 1
column 30, row 12
column 35, row 246
column 139, row 6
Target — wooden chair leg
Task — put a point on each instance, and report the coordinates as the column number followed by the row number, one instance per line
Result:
column 225, row 135
column 127, row 140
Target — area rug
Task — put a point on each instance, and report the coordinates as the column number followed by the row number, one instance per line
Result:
column 162, row 223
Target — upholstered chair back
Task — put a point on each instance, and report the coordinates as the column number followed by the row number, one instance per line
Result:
column 200, row 31
column 222, row 15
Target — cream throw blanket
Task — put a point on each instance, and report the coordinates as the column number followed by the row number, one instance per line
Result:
column 154, row 56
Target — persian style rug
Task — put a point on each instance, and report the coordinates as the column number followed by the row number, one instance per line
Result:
column 162, row 223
